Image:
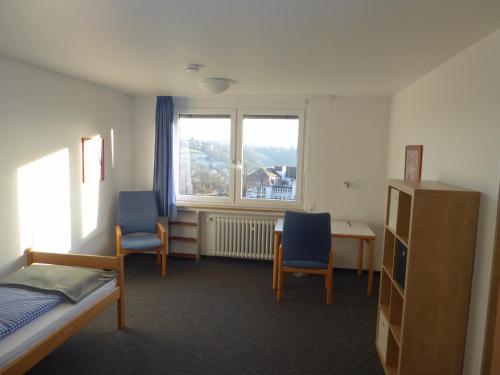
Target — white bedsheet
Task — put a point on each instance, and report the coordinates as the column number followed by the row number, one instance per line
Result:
column 25, row 338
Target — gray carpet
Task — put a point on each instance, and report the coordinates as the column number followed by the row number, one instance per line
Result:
column 220, row 316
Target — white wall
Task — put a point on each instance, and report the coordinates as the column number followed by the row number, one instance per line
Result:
column 346, row 141
column 43, row 117
column 455, row 113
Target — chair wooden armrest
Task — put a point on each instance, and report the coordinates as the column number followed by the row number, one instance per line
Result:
column 118, row 231
column 162, row 232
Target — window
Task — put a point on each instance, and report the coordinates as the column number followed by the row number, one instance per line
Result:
column 270, row 157
column 204, row 155
column 253, row 159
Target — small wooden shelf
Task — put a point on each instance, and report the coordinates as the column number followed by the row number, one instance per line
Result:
column 185, row 223
column 185, row 239
column 184, row 235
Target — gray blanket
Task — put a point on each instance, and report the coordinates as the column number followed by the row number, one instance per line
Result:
column 73, row 283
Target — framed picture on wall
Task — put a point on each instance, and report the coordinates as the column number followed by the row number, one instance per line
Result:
column 92, row 159
column 413, row 162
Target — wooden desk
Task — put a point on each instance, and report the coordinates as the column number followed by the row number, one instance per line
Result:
column 340, row 229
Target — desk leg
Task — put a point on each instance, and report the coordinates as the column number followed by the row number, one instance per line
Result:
column 370, row 272
column 277, row 240
column 360, row 257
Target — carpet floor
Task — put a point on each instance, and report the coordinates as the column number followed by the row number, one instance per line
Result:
column 220, row 316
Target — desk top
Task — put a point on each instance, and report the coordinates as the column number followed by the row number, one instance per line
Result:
column 341, row 228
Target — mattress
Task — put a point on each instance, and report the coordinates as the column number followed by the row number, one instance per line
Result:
column 28, row 336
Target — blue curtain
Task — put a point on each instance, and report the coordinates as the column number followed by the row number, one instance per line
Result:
column 163, row 182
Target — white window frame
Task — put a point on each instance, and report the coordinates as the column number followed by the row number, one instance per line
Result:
column 269, row 203
column 176, row 148
column 235, row 200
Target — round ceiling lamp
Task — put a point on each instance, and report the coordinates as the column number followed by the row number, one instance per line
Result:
column 213, row 85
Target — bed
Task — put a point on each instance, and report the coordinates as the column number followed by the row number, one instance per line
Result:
column 25, row 347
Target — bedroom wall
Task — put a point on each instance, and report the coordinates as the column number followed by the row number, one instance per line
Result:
column 43, row 117
column 454, row 112
column 346, row 140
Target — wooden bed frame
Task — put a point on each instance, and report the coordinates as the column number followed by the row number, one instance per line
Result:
column 28, row 359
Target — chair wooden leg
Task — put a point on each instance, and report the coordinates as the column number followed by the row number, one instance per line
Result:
column 329, row 287
column 164, row 260
column 158, row 262
column 281, row 276
column 329, row 278
column 281, row 282
column 120, row 304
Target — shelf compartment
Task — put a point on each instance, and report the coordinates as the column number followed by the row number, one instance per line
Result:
column 392, row 355
column 400, row 260
column 404, row 213
column 398, row 288
column 385, row 290
column 396, row 311
column 387, row 270
column 392, row 208
column 388, row 257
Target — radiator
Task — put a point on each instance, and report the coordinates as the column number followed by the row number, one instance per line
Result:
column 241, row 237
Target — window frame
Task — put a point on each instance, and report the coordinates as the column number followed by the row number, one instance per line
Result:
column 235, row 201
column 269, row 203
column 176, row 148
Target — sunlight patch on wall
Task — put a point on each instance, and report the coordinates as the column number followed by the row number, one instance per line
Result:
column 93, row 164
column 44, row 203
column 112, row 137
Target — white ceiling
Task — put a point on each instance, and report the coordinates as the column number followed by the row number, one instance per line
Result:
column 355, row 47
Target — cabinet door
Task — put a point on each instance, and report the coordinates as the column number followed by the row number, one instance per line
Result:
column 383, row 332
column 393, row 209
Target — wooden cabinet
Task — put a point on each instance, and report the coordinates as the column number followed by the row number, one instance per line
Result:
column 427, row 262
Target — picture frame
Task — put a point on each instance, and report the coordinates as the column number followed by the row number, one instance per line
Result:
column 92, row 159
column 413, row 162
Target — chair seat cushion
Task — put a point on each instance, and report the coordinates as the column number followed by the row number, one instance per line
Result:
column 305, row 264
column 140, row 241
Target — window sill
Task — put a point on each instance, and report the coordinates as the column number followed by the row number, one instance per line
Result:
column 274, row 211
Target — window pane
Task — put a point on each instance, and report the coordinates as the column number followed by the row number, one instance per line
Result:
column 270, row 157
column 204, row 155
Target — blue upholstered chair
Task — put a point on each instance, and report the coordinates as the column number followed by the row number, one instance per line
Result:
column 306, row 247
column 138, row 228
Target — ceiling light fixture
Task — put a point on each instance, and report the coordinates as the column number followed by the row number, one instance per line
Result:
column 214, row 85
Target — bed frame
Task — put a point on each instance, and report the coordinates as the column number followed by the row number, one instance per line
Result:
column 30, row 358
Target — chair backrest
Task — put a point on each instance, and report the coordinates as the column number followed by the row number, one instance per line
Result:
column 137, row 211
column 306, row 236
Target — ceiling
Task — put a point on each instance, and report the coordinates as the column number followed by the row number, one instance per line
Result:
column 336, row 47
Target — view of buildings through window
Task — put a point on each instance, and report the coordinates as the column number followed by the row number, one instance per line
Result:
column 269, row 156
column 204, row 155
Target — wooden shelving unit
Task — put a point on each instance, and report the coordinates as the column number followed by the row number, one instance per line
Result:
column 427, row 261
column 185, row 230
